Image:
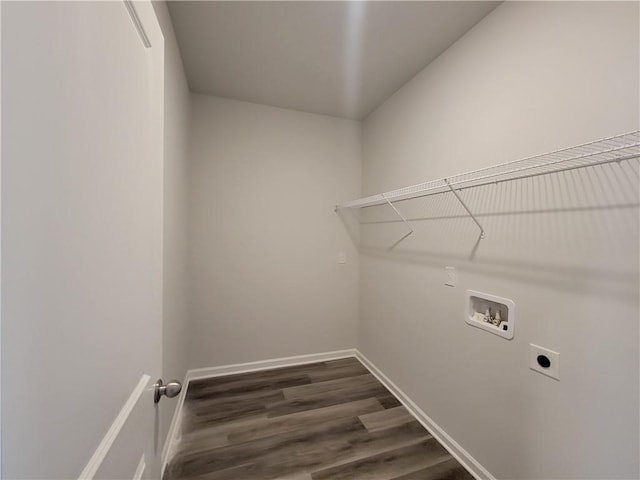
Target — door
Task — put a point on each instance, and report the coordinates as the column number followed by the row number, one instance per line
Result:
column 82, row 109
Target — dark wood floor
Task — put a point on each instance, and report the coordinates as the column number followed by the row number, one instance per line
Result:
column 323, row 421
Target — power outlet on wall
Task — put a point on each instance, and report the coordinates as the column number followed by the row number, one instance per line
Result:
column 545, row 361
column 342, row 257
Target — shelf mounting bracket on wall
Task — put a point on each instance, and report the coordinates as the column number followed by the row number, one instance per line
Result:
column 464, row 205
column 405, row 221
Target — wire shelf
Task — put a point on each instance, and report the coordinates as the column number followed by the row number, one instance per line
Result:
column 613, row 149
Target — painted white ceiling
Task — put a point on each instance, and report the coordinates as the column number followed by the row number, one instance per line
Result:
column 335, row 58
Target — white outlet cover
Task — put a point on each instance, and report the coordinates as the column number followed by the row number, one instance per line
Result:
column 553, row 370
column 452, row 276
column 342, row 257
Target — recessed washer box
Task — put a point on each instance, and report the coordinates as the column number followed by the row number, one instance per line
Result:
column 490, row 313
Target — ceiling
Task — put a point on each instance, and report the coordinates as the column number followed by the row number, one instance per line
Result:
column 334, row 58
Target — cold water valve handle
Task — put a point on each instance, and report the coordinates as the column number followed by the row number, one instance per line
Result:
column 170, row 390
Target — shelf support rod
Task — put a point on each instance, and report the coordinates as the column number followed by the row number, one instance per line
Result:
column 465, row 207
column 406, row 222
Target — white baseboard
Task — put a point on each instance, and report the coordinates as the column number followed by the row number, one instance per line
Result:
column 268, row 364
column 453, row 447
column 459, row 453
column 173, row 436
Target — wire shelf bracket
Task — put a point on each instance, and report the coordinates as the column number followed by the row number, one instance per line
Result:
column 464, row 205
column 404, row 220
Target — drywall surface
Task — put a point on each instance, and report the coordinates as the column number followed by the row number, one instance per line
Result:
column 530, row 78
column 265, row 240
column 81, row 229
column 175, row 317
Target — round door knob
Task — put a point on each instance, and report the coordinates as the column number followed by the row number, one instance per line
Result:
column 170, row 390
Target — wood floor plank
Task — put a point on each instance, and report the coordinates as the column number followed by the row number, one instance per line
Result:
column 388, row 400
column 245, row 472
column 203, row 415
column 341, row 362
column 297, row 476
column 216, row 434
column 338, row 371
column 287, row 407
column 449, row 469
column 302, row 446
column 387, row 465
column 274, row 425
column 239, row 472
column 207, row 406
column 202, row 441
column 386, row 418
column 309, row 455
column 380, row 442
column 241, row 386
column 326, row 420
column 274, row 373
column 335, row 386
column 213, row 403
column 222, row 428
column 268, row 467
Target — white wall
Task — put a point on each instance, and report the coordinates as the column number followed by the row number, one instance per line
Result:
column 530, row 78
column 175, row 327
column 264, row 236
column 81, row 229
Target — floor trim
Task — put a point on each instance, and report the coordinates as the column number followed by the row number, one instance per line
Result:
column 198, row 373
column 453, row 447
column 173, row 436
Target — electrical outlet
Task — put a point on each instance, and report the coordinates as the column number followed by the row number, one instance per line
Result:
column 545, row 361
column 342, row 257
column 452, row 276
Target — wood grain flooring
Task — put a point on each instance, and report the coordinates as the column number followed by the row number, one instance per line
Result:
column 324, row 421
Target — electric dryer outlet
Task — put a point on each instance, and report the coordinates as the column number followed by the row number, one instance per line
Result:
column 545, row 361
